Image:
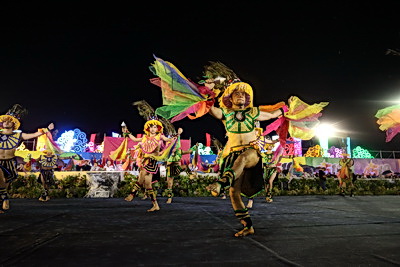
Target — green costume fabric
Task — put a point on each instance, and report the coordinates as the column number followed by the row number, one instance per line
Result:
column 240, row 121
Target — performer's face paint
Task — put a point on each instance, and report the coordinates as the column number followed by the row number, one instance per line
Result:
column 238, row 98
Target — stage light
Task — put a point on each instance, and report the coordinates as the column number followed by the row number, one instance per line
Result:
column 323, row 132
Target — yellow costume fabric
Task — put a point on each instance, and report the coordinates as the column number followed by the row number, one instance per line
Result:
column 303, row 118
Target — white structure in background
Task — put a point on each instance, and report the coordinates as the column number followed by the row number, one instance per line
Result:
column 103, row 184
column 73, row 141
column 66, row 141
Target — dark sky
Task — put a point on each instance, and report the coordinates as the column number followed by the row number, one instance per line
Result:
column 82, row 66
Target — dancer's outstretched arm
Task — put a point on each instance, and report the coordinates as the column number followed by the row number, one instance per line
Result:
column 26, row 136
column 264, row 116
column 166, row 139
column 216, row 112
column 129, row 134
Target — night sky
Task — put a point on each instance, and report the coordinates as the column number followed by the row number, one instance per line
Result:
column 82, row 66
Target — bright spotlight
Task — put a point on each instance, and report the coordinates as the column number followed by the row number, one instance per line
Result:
column 325, row 130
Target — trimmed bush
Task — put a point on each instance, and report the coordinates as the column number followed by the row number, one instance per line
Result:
column 186, row 186
column 28, row 187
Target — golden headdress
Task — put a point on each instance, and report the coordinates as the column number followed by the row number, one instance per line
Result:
column 151, row 122
column 225, row 100
column 47, row 151
column 14, row 114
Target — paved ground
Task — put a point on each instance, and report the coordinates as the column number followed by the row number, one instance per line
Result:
column 297, row 230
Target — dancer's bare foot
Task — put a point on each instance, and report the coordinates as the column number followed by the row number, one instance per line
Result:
column 6, row 204
column 41, row 198
column 47, row 198
column 144, row 197
column 250, row 204
column 245, row 231
column 154, row 208
column 215, row 189
column 130, row 197
column 169, row 200
column 269, row 199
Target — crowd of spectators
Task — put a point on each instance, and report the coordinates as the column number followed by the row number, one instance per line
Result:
column 109, row 165
column 80, row 165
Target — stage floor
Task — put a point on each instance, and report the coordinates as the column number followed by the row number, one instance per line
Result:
column 292, row 230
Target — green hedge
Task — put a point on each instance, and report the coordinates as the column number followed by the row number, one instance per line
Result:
column 76, row 186
column 311, row 187
column 69, row 187
column 184, row 186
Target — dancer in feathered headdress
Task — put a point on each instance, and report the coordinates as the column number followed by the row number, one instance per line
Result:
column 345, row 175
column 48, row 162
column 241, row 166
column 10, row 139
column 173, row 168
column 153, row 150
column 389, row 121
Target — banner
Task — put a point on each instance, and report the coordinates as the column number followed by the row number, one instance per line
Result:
column 365, row 167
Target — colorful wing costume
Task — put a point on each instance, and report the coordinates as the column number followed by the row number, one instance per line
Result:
column 181, row 97
column 300, row 120
column 389, row 121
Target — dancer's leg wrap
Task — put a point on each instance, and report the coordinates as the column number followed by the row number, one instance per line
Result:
column 169, row 193
column 228, row 178
column 244, row 217
column 269, row 193
column 136, row 188
column 45, row 193
column 268, row 173
column 3, row 193
column 3, row 196
column 150, row 192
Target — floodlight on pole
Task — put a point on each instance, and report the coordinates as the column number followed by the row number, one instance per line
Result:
column 324, row 131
